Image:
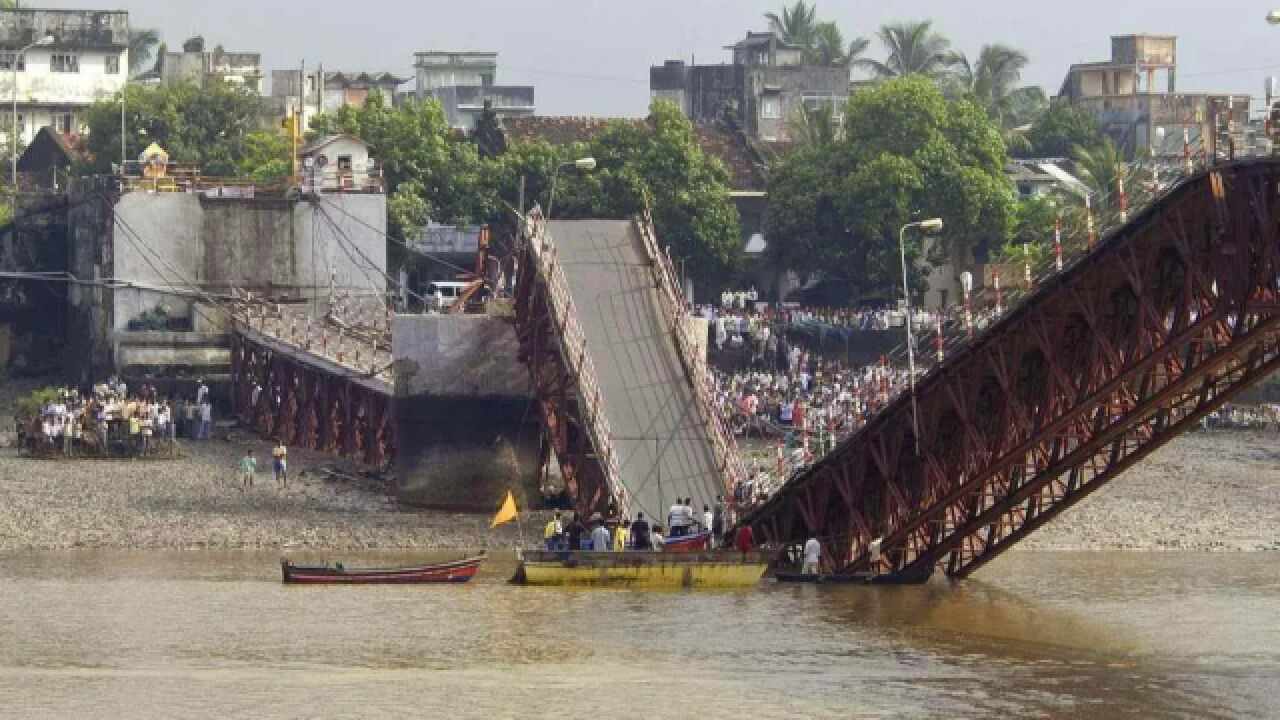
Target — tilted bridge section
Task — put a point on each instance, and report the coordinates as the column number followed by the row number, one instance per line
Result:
column 1169, row 317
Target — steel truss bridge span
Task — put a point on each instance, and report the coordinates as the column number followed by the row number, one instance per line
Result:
column 1164, row 321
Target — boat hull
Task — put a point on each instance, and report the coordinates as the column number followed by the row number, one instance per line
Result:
column 643, row 569
column 458, row 571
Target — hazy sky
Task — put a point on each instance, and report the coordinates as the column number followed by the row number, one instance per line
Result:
column 591, row 57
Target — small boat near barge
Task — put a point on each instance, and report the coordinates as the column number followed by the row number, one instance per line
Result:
column 642, row 569
column 456, row 571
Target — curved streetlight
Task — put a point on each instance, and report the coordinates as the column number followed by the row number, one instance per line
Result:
column 13, row 177
column 586, row 164
column 1273, row 17
column 931, row 225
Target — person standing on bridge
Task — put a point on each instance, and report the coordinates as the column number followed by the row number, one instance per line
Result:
column 812, row 557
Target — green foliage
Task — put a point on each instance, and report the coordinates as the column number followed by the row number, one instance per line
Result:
column 795, row 24
column 906, row 154
column 196, row 126
column 265, row 155
column 912, row 48
column 992, row 82
column 193, row 44
column 1062, row 127
column 29, row 407
column 823, row 43
column 142, row 49
column 429, row 171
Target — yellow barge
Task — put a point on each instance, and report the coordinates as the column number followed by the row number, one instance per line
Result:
column 640, row 569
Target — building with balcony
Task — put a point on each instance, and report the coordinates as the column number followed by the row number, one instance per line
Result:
column 1135, row 98
column 764, row 87
column 87, row 61
column 465, row 83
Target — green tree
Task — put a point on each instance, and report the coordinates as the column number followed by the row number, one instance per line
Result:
column 264, row 155
column 795, row 24
column 815, row 126
column 193, row 44
column 142, row 48
column 426, row 167
column 907, row 153
column 1059, row 129
column 912, row 48
column 657, row 162
column 828, row 49
column 1100, row 168
column 993, row 83
column 196, row 126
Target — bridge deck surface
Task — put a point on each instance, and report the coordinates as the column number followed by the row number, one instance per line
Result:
column 663, row 448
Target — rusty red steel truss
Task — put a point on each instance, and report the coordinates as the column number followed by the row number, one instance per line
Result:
column 560, row 370
column 309, row 402
column 1167, row 319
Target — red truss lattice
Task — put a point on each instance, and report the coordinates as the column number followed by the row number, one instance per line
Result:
column 1164, row 322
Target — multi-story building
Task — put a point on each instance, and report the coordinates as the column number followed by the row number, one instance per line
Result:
column 465, row 82
column 85, row 60
column 199, row 67
column 326, row 92
column 1135, row 98
column 764, row 87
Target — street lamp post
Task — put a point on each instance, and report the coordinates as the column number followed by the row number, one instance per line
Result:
column 1273, row 17
column 13, row 141
column 586, row 164
column 931, row 225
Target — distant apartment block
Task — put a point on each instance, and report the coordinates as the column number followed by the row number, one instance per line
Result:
column 198, row 67
column 326, row 92
column 763, row 88
column 87, row 61
column 464, row 82
column 1135, row 99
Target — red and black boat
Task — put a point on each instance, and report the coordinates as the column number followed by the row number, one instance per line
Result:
column 457, row 571
column 697, row 542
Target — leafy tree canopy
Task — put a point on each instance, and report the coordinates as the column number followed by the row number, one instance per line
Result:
column 209, row 127
column 1060, row 129
column 906, row 154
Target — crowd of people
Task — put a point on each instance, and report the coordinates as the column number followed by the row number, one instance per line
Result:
column 1252, row 417
column 617, row 534
column 108, row 419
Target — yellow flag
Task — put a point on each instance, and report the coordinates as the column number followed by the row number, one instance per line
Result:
column 506, row 513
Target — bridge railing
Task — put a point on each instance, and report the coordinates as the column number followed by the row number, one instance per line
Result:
column 991, row 302
column 333, row 337
column 728, row 458
column 573, row 343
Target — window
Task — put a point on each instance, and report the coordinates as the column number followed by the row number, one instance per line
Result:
column 770, row 108
column 7, row 58
column 113, row 65
column 62, row 122
column 64, row 63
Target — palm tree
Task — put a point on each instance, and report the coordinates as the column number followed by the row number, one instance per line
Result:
column 1100, row 168
column 912, row 49
column 992, row 82
column 796, row 23
column 827, row 48
column 142, row 46
column 815, row 127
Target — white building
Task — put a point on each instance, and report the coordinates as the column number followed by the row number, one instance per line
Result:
column 339, row 163
column 464, row 83
column 87, row 61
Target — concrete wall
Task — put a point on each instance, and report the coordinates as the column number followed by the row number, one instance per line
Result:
column 467, row 426
column 267, row 245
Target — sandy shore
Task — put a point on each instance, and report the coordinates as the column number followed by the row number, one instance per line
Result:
column 195, row 502
column 1206, row 491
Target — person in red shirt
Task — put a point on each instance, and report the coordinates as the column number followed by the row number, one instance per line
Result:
column 745, row 540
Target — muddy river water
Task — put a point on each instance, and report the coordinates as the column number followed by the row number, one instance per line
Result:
column 1047, row 635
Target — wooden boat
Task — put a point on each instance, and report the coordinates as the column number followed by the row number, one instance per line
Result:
column 688, row 543
column 642, row 569
column 457, row 571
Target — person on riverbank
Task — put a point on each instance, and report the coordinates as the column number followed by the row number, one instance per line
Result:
column 812, row 557
column 248, row 466
column 744, row 541
column 279, row 466
column 620, row 535
column 601, row 538
column 206, row 420
column 573, row 532
column 640, row 534
column 552, row 532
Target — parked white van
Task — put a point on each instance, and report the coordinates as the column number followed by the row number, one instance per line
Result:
column 441, row 295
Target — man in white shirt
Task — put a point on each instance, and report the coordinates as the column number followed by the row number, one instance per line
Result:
column 601, row 538
column 812, row 557
column 676, row 519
